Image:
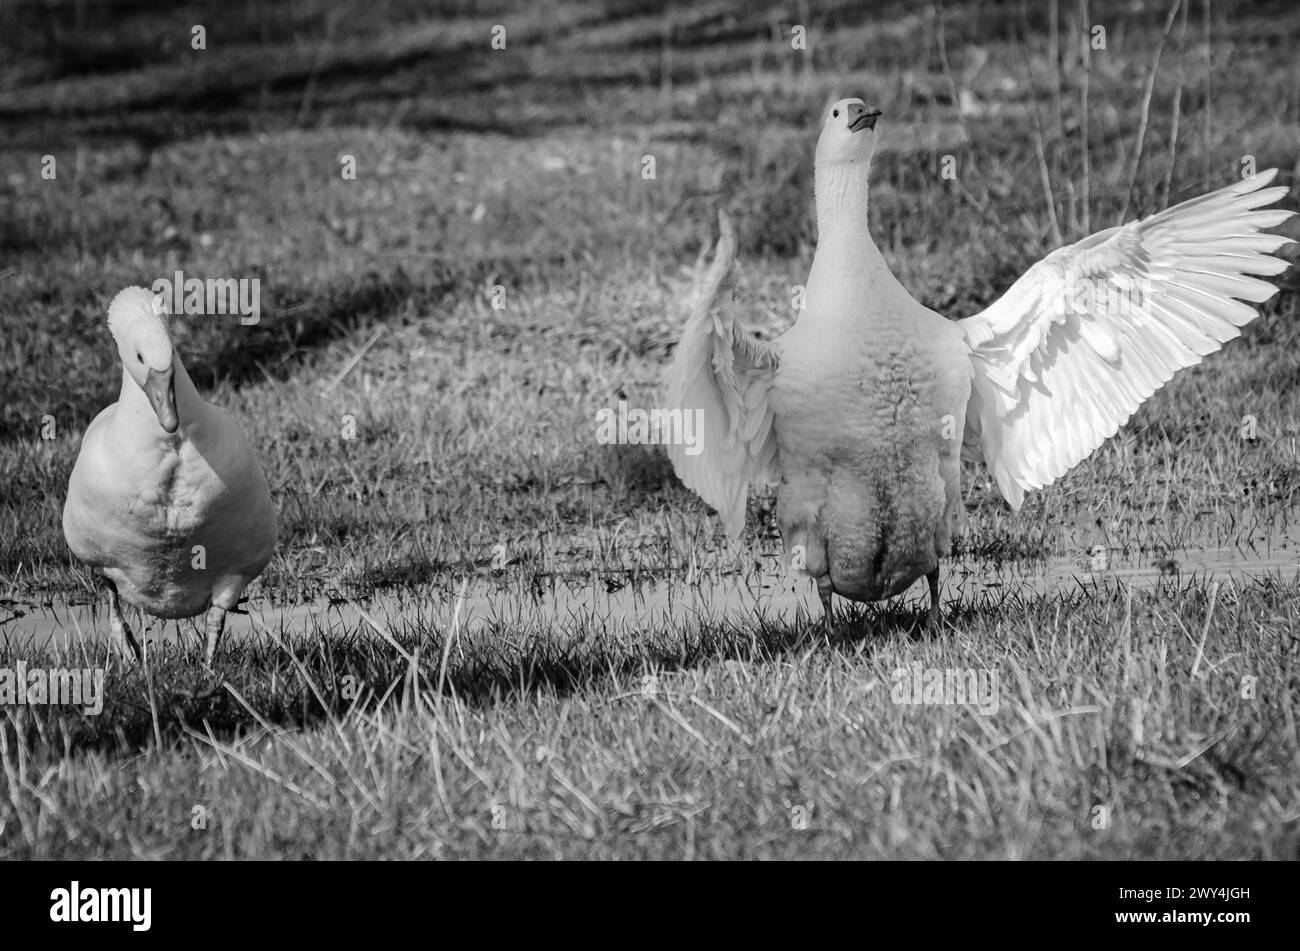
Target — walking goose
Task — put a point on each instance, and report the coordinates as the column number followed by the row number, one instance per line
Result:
column 167, row 501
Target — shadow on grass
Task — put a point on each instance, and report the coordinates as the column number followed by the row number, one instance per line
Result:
column 301, row 682
column 305, row 681
column 306, row 321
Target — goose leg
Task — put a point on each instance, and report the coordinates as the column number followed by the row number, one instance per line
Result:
column 824, row 591
column 215, row 621
column 121, row 631
column 935, row 617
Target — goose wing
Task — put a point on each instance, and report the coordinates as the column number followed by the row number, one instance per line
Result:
column 719, row 369
column 1068, row 354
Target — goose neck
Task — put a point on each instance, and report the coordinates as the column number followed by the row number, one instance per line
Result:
column 843, row 239
column 141, row 414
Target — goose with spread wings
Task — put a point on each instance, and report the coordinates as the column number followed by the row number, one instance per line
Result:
column 864, row 409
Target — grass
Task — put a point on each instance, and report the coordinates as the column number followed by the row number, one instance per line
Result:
column 475, row 428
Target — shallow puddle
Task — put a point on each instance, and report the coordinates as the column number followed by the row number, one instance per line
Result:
column 596, row 604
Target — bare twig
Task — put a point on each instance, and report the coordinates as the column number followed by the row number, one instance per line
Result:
column 356, row 358
column 1047, row 185
column 947, row 72
column 1146, row 110
column 1205, row 631
column 1178, row 102
column 1209, row 97
column 1054, row 46
column 1085, row 198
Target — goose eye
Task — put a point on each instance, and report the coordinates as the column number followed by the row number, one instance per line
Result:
column 138, row 357
column 835, row 113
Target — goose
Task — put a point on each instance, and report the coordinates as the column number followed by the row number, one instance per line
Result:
column 863, row 411
column 160, row 473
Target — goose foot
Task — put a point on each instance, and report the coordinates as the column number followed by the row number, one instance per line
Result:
column 203, row 690
column 121, row 631
column 214, row 623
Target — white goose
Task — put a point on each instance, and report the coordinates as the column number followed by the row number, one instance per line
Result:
column 160, row 473
column 864, row 408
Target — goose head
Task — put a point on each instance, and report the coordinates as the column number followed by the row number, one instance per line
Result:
column 848, row 135
column 135, row 318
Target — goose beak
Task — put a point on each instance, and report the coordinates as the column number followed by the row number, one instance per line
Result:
column 160, row 387
column 862, row 117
